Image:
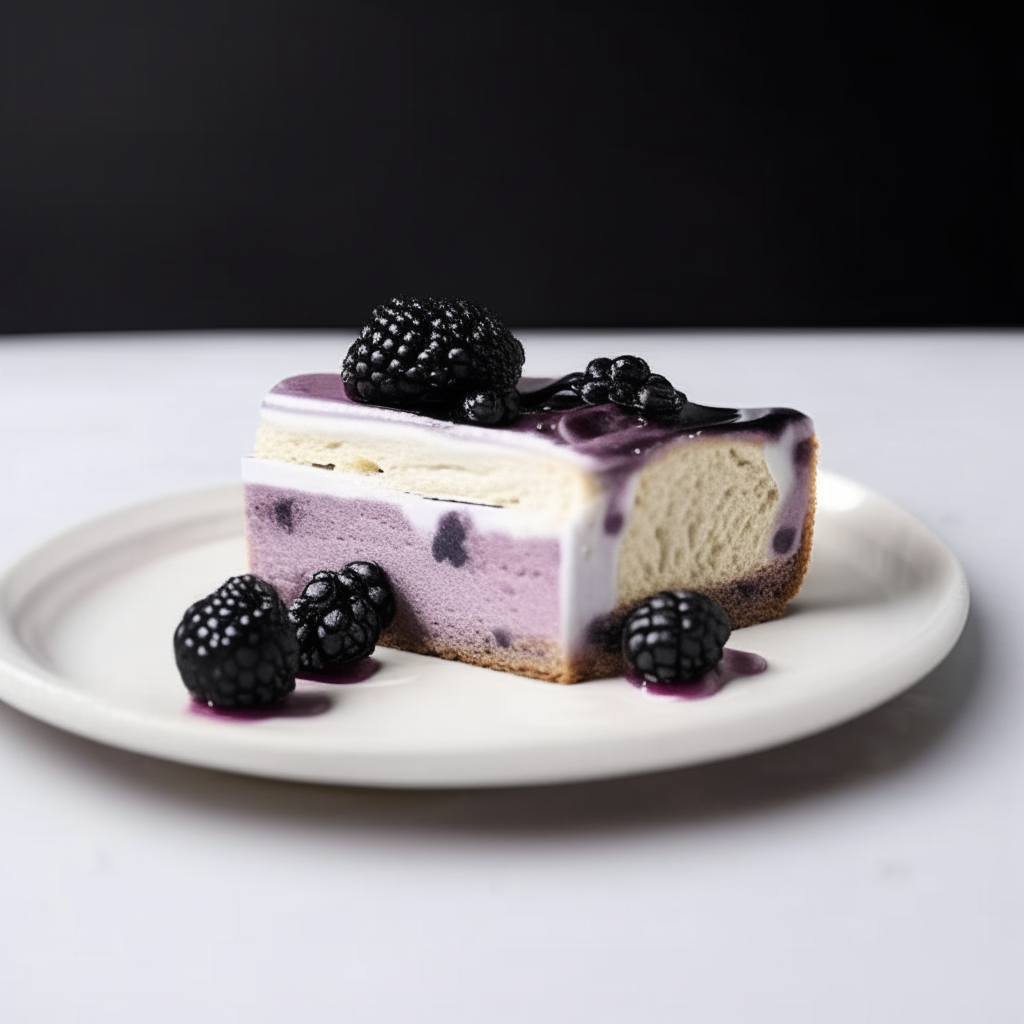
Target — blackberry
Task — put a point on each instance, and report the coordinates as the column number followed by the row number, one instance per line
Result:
column 236, row 648
column 489, row 408
column 335, row 621
column 657, row 399
column 628, row 382
column 593, row 389
column 428, row 354
column 625, row 377
column 378, row 588
column 675, row 637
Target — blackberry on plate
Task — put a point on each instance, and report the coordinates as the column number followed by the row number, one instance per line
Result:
column 378, row 588
column 427, row 354
column 335, row 621
column 628, row 382
column 675, row 636
column 236, row 648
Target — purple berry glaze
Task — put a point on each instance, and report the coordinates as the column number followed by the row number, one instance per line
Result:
column 734, row 665
column 621, row 442
column 610, row 437
column 614, row 442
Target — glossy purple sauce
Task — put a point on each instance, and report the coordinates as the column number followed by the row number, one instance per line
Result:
column 620, row 442
column 613, row 437
column 302, row 704
column 615, row 441
column 734, row 665
column 358, row 672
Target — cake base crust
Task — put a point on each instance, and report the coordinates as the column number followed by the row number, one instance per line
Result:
column 537, row 659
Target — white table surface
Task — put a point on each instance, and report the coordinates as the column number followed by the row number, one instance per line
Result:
column 872, row 873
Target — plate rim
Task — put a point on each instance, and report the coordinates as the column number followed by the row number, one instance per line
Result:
column 32, row 688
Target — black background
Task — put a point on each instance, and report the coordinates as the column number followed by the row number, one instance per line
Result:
column 174, row 165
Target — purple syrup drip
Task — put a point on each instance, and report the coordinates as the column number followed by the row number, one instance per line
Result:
column 734, row 665
column 613, row 521
column 616, row 484
column 295, row 705
column 620, row 440
column 357, row 672
column 325, row 387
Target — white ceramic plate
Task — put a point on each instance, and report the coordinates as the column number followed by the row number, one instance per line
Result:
column 85, row 644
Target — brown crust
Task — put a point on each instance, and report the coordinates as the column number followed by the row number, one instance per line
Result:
column 759, row 598
column 539, row 659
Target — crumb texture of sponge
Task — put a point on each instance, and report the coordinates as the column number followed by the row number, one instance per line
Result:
column 703, row 515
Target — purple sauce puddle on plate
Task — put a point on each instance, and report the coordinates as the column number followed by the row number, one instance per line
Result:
column 357, row 672
column 295, row 705
column 734, row 665
column 300, row 704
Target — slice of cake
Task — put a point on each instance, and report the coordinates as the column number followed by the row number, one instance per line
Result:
column 521, row 547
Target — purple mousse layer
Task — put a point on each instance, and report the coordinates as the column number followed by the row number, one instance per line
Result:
column 454, row 585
